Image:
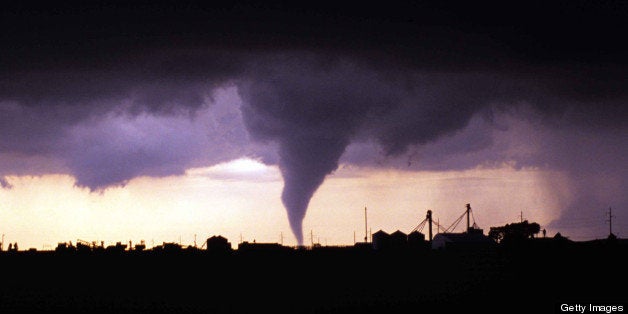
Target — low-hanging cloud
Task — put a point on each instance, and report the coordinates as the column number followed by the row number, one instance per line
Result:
column 387, row 92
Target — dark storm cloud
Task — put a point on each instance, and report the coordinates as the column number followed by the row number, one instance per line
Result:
column 115, row 89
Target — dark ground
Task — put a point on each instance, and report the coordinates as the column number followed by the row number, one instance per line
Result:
column 523, row 280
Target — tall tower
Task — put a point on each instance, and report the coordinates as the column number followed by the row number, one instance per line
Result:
column 429, row 221
column 468, row 214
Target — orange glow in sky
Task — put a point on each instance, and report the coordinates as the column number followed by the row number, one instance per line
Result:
column 240, row 200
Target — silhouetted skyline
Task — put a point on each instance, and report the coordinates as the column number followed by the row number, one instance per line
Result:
column 393, row 274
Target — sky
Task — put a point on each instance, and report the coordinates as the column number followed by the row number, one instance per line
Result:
column 280, row 122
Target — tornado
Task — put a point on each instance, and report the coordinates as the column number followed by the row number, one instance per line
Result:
column 304, row 164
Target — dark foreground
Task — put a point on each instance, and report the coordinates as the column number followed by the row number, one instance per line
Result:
column 501, row 280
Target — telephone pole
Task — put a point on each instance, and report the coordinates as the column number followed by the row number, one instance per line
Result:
column 610, row 221
column 366, row 230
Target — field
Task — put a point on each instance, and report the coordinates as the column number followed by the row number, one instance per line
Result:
column 325, row 280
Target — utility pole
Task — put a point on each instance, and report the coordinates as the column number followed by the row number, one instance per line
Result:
column 521, row 216
column 195, row 240
column 366, row 230
column 312, row 237
column 610, row 222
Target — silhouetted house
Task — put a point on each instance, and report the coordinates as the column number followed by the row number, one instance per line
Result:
column 398, row 240
column 118, row 248
column 64, row 247
column 171, row 247
column 333, row 249
column 83, row 247
column 218, row 244
column 261, row 247
column 381, row 240
column 472, row 239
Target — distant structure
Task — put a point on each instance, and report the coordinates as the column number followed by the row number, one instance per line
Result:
column 118, row 248
column 261, row 247
column 381, row 240
column 366, row 232
column 218, row 244
column 610, row 224
column 421, row 225
column 473, row 237
column 364, row 245
column 65, row 247
column 399, row 241
column 140, row 247
column 416, row 240
column 168, row 247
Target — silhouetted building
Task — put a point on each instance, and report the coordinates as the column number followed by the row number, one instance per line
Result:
column 64, row 247
column 218, row 244
column 416, row 240
column 381, row 240
column 473, row 238
column 261, row 247
column 171, row 247
column 118, row 248
column 398, row 240
column 83, row 247
column 140, row 247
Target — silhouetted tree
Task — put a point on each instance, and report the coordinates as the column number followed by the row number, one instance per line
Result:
column 514, row 231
